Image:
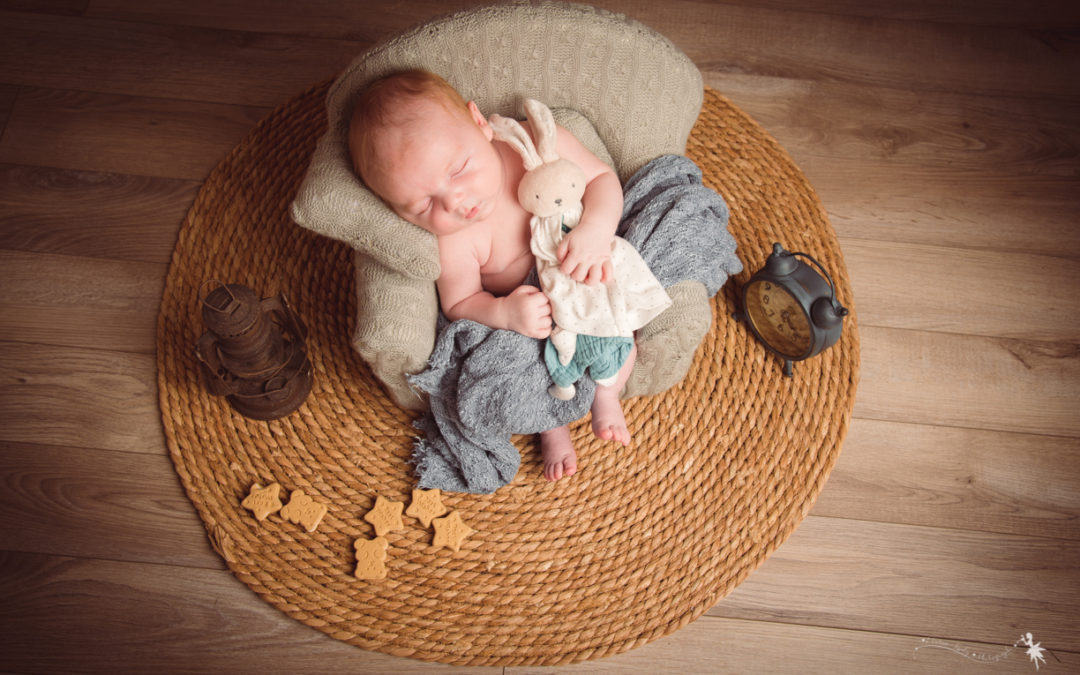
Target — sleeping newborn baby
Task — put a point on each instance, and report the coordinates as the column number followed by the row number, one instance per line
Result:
column 434, row 159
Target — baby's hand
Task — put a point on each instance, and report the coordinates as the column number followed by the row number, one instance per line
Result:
column 529, row 312
column 585, row 255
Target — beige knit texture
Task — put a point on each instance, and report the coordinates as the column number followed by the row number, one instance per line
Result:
column 637, row 94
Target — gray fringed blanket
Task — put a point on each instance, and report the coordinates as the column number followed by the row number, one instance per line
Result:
column 486, row 385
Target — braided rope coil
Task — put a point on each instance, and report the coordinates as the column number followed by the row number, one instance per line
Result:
column 639, row 543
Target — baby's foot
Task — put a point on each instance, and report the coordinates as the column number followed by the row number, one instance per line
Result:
column 557, row 450
column 608, row 421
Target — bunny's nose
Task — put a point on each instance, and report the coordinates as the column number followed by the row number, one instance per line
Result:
column 558, row 202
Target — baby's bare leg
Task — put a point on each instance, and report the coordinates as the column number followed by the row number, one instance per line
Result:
column 557, row 450
column 608, row 421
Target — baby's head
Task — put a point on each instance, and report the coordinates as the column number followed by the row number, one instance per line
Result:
column 395, row 101
column 423, row 150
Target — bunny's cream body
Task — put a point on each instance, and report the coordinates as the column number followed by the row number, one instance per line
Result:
column 551, row 190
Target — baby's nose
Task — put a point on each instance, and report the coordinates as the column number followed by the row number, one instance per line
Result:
column 453, row 201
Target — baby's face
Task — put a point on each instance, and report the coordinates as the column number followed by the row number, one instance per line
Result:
column 441, row 172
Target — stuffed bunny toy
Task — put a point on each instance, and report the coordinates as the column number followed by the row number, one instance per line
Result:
column 552, row 189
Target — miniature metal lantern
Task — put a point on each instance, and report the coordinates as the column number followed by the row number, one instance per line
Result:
column 253, row 352
column 791, row 309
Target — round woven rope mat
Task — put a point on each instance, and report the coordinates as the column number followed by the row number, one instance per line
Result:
column 639, row 543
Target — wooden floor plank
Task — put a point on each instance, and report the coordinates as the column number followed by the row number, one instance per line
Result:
column 334, row 19
column 890, row 578
column 91, row 303
column 357, row 22
column 136, row 503
column 953, row 478
column 87, row 131
column 1048, row 15
column 74, row 615
column 740, row 38
column 932, row 168
column 60, row 7
column 989, row 210
column 917, row 287
column 967, row 381
column 7, row 100
column 919, row 56
column 1018, row 134
column 718, row 645
column 79, row 397
column 162, row 61
column 91, row 214
column 78, row 326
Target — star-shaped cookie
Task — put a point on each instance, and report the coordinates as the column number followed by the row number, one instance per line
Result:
column 386, row 516
column 451, row 531
column 426, row 506
column 303, row 510
column 370, row 558
column 262, row 501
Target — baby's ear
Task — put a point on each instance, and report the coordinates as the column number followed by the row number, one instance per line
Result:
column 479, row 119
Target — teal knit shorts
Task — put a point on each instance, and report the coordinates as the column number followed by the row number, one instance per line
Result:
column 601, row 356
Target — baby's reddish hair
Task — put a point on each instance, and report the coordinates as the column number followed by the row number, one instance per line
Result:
column 384, row 102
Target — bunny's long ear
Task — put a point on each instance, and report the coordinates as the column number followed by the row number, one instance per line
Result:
column 511, row 132
column 543, row 125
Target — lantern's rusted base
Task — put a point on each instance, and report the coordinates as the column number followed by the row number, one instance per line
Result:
column 253, row 352
column 274, row 398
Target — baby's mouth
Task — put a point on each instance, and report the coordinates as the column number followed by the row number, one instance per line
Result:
column 471, row 213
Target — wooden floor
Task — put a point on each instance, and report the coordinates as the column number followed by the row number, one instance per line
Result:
column 943, row 140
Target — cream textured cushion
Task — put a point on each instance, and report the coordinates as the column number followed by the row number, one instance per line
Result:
column 637, row 94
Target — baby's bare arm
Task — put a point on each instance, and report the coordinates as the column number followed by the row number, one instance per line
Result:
column 585, row 253
column 462, row 296
column 526, row 310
